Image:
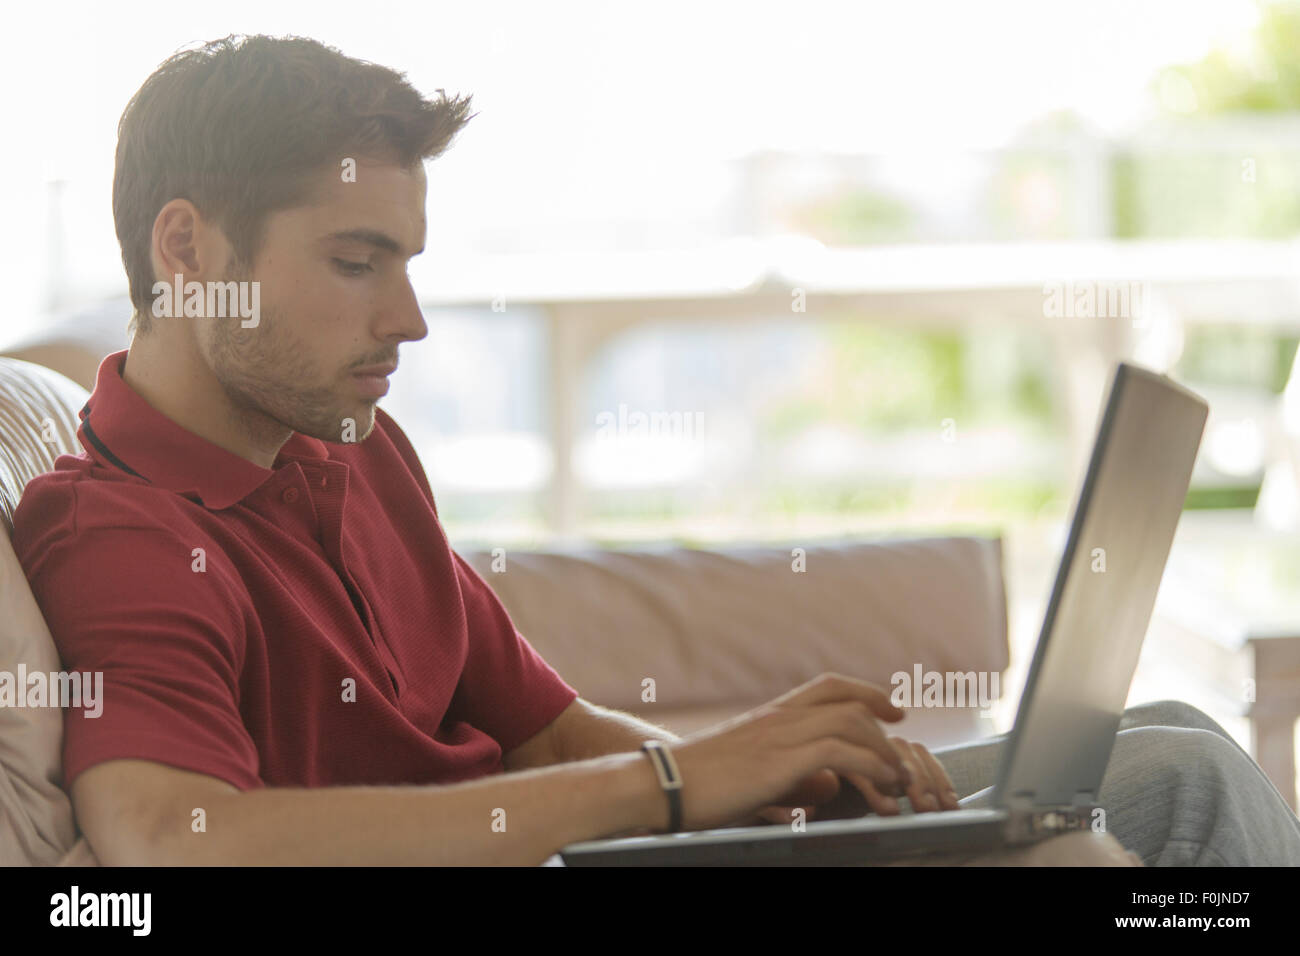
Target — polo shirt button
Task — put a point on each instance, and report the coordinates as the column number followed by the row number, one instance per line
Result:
column 290, row 495
column 324, row 481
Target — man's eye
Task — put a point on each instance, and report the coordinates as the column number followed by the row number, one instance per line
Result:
column 349, row 268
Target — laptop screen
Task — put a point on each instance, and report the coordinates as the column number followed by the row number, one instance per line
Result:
column 1105, row 589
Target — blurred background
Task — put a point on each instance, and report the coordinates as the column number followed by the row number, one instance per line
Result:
column 753, row 272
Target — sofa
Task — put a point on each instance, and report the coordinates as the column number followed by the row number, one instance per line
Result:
column 681, row 637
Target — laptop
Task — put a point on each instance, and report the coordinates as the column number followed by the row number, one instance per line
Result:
column 1056, row 754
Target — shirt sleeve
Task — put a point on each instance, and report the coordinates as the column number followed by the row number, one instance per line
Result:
column 506, row 688
column 127, row 603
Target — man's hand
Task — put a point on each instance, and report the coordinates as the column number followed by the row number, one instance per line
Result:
column 823, row 796
column 927, row 787
column 798, row 750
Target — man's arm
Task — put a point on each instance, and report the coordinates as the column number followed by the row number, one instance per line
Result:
column 582, row 731
column 144, row 813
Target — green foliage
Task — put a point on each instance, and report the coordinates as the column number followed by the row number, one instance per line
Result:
column 879, row 378
column 1126, row 195
column 858, row 216
column 1208, row 193
column 876, row 377
column 1208, row 499
column 1240, row 356
column 1266, row 79
column 1181, row 193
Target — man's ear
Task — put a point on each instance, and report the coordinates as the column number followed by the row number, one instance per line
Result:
column 174, row 249
column 185, row 242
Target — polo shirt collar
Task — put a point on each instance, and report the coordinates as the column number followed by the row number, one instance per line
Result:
column 120, row 430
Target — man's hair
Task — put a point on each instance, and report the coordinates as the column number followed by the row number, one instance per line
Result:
column 238, row 126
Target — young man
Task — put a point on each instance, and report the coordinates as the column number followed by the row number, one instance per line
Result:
column 297, row 667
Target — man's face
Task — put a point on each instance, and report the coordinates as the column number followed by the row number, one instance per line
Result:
column 335, row 300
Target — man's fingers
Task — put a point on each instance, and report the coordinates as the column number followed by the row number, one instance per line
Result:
column 931, row 790
column 847, row 721
column 943, row 784
column 882, row 804
column 921, row 792
column 818, row 787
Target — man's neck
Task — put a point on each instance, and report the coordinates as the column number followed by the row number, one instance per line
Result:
column 169, row 374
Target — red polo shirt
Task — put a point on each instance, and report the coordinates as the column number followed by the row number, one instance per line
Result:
column 304, row 625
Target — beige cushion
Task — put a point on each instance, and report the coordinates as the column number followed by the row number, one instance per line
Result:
column 78, row 361
column 38, row 422
column 38, row 416
column 722, row 630
column 36, row 825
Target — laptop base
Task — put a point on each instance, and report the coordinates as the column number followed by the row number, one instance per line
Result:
column 835, row 843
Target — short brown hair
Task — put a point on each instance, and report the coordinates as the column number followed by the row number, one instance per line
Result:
column 238, row 125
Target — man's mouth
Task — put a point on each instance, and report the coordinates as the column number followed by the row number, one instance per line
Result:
column 372, row 380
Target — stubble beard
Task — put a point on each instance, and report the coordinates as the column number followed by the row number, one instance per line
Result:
column 263, row 371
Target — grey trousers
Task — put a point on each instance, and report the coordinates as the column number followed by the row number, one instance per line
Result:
column 1178, row 791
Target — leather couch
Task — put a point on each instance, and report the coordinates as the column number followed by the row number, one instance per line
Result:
column 684, row 638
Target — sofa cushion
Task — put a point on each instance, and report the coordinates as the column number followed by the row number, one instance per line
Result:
column 741, row 626
column 36, row 825
column 38, row 422
column 38, row 419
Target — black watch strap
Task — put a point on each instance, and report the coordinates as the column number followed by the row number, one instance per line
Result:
column 669, row 778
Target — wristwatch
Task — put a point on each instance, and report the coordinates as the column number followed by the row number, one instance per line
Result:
column 669, row 778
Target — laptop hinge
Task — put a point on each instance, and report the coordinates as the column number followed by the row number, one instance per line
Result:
column 1030, row 820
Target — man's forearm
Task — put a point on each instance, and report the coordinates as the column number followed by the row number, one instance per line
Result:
column 514, row 819
column 604, row 731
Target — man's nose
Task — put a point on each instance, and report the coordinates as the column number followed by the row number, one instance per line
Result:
column 405, row 322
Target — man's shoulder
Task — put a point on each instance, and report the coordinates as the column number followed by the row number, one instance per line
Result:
column 79, row 498
column 117, row 546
